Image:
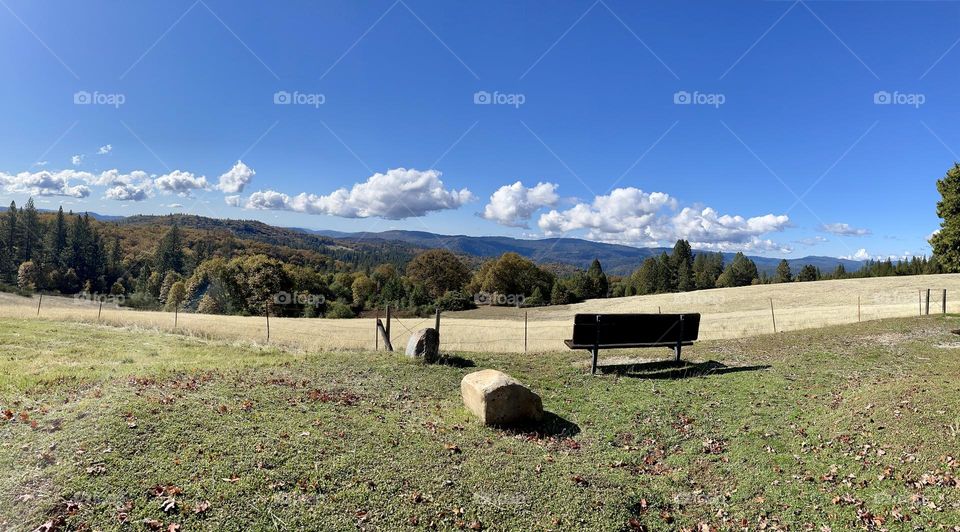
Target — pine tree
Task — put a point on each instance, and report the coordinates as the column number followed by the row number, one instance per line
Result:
column 946, row 241
column 30, row 231
column 58, row 240
column 784, row 275
column 598, row 279
column 169, row 254
column 681, row 262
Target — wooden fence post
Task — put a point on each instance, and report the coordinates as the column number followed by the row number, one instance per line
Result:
column 376, row 332
column 38, row 304
column 268, row 321
column 436, row 324
column 920, row 301
column 175, row 317
column 387, row 329
column 773, row 316
column 525, row 332
column 99, row 310
column 928, row 302
column 944, row 302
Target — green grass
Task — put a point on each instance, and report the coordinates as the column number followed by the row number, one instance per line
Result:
column 849, row 426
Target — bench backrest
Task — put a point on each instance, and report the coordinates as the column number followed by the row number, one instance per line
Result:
column 635, row 329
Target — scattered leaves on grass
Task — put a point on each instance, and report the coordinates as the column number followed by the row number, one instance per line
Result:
column 153, row 524
column 452, row 448
column 340, row 397
column 247, row 405
column 580, row 481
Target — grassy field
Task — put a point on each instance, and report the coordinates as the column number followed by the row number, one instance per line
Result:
column 855, row 427
column 727, row 313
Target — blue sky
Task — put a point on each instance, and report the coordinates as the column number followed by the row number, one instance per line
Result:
column 779, row 128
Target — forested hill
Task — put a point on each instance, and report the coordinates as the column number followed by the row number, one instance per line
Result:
column 398, row 247
column 354, row 252
column 616, row 259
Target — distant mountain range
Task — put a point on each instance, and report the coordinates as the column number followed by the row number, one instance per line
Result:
column 616, row 259
column 402, row 245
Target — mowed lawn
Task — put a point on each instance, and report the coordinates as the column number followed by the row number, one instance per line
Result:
column 120, row 429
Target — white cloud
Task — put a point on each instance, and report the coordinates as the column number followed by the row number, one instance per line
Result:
column 126, row 192
column 235, row 179
column 513, row 205
column 45, row 183
column 181, row 183
column 267, row 200
column 41, row 163
column 103, row 150
column 397, row 194
column 861, row 254
column 233, row 201
column 634, row 217
column 844, row 230
column 175, row 206
column 813, row 241
column 115, row 177
column 77, row 160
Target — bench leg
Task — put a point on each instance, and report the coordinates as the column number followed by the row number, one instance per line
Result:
column 676, row 350
column 593, row 365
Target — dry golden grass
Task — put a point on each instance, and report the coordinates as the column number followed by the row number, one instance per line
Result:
column 727, row 313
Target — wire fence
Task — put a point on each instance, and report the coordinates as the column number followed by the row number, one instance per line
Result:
column 510, row 330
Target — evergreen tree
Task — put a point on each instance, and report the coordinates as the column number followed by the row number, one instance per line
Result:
column 946, row 241
column 58, row 240
column 741, row 272
column 664, row 276
column 808, row 273
column 681, row 262
column 11, row 232
column 784, row 275
column 598, row 279
column 30, row 231
column 169, row 253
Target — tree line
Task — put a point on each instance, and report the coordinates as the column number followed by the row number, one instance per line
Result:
column 199, row 271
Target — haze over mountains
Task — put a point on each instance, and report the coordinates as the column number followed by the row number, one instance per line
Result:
column 573, row 252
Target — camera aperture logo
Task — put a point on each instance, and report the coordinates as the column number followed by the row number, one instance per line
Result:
column 314, row 99
column 299, row 298
column 499, row 98
column 99, row 98
column 714, row 99
column 498, row 300
column 914, row 99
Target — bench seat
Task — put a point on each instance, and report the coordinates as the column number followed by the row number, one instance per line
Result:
column 594, row 332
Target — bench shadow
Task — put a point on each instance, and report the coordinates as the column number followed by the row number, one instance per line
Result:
column 456, row 362
column 672, row 370
column 551, row 426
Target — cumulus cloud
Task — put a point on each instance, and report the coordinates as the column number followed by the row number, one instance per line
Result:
column 233, row 201
column 626, row 214
column 103, row 150
column 513, row 205
column 182, row 183
column 397, row 194
column 126, row 192
column 236, row 178
column 77, row 160
column 844, row 230
column 861, row 254
column 46, row 183
column 813, row 240
column 634, row 217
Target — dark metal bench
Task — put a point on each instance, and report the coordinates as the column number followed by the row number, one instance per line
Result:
column 594, row 332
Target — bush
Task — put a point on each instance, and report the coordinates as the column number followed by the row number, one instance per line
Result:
column 455, row 300
column 338, row 310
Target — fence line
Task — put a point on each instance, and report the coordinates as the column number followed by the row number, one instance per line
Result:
column 536, row 330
